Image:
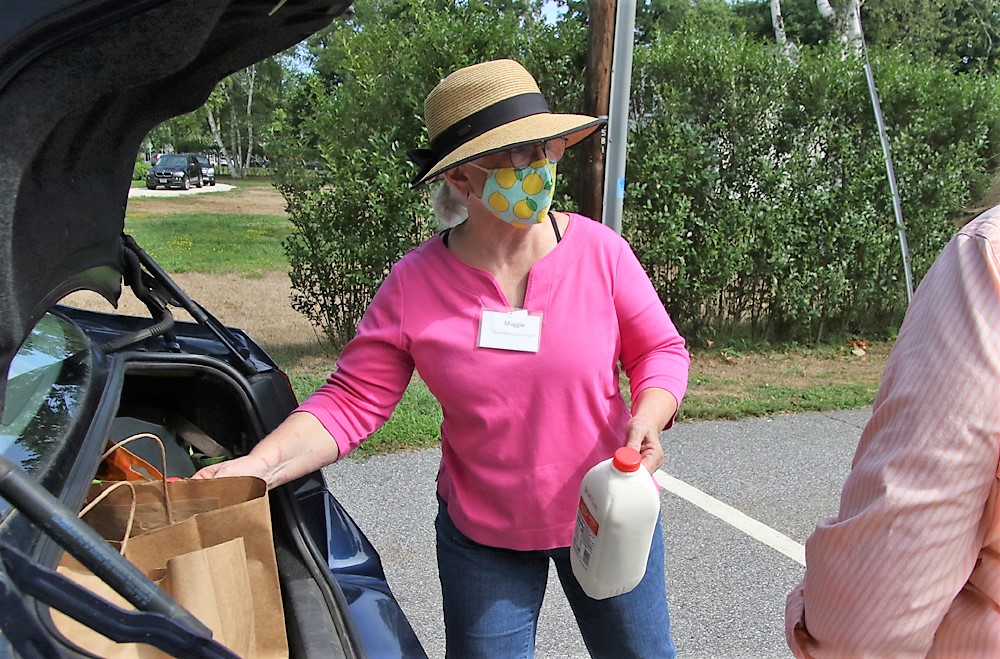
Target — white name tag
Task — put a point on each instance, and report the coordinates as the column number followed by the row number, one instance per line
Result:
column 510, row 330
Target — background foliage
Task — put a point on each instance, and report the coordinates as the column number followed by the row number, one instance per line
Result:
column 238, row 122
column 759, row 200
column 757, row 194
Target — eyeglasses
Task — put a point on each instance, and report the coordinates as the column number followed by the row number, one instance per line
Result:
column 522, row 156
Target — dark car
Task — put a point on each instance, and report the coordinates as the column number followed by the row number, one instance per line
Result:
column 175, row 170
column 73, row 379
column 207, row 170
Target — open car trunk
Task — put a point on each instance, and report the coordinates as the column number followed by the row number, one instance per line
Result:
column 203, row 402
column 167, row 399
column 82, row 82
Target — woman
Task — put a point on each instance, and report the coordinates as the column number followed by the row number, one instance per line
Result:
column 515, row 319
column 909, row 567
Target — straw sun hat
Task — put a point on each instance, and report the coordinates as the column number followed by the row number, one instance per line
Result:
column 486, row 108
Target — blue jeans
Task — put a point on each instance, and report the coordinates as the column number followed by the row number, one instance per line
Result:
column 492, row 598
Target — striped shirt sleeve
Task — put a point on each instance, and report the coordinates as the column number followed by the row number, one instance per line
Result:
column 916, row 509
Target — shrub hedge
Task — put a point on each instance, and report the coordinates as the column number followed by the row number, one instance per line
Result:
column 758, row 198
column 140, row 170
column 757, row 194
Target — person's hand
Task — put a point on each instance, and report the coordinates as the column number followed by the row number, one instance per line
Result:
column 299, row 445
column 248, row 465
column 643, row 437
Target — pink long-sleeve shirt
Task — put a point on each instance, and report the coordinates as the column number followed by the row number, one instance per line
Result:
column 910, row 567
column 520, row 429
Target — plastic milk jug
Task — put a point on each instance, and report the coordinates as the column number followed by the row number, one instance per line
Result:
column 619, row 506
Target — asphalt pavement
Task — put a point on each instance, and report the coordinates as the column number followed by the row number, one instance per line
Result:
column 741, row 499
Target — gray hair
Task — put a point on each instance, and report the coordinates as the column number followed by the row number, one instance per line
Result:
column 450, row 207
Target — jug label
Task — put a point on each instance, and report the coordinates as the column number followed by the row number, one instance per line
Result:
column 586, row 533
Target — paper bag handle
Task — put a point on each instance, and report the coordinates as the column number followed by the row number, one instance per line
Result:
column 163, row 456
column 131, row 512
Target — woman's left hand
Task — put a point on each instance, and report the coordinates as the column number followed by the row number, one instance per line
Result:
column 652, row 410
column 644, row 438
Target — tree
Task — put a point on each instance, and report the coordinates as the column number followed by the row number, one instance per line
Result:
column 241, row 110
column 179, row 134
column 801, row 22
column 963, row 33
column 655, row 19
column 238, row 120
column 846, row 23
column 790, row 48
column 778, row 23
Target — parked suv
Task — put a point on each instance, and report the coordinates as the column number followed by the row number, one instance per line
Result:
column 175, row 170
column 70, row 379
column 207, row 171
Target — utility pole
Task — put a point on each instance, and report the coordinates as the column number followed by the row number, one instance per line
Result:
column 597, row 99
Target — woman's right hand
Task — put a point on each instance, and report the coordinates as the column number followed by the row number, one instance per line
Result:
column 248, row 465
column 298, row 446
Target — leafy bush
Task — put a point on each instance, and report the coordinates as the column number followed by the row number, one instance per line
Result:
column 352, row 220
column 757, row 193
column 758, row 197
column 140, row 170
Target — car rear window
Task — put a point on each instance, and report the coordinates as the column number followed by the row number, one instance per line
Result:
column 46, row 386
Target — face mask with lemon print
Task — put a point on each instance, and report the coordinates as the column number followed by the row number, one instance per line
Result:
column 521, row 196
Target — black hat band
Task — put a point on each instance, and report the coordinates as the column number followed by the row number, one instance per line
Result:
column 485, row 120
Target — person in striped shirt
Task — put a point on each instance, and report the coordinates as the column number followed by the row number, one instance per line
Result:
column 910, row 565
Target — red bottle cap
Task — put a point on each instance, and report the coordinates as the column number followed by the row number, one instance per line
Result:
column 627, row 459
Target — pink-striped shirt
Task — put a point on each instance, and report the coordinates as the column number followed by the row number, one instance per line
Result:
column 520, row 429
column 910, row 567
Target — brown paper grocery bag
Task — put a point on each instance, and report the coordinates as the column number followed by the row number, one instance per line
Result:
column 249, row 520
column 213, row 584
column 229, row 509
column 161, row 503
column 149, row 504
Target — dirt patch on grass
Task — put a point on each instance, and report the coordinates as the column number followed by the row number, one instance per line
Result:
column 245, row 200
column 775, row 381
column 792, row 369
column 261, row 307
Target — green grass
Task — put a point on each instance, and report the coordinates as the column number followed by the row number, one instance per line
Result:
column 415, row 423
column 768, row 400
column 247, row 245
column 247, row 181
